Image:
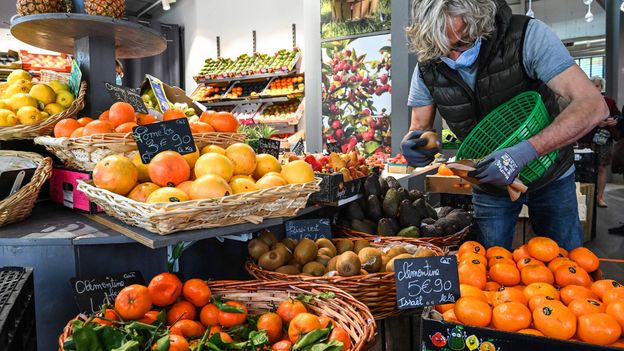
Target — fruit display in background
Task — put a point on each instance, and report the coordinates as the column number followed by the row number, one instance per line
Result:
column 285, row 86
column 351, row 165
column 324, row 257
column 31, row 7
column 388, row 209
column 568, row 309
column 288, row 112
column 398, row 160
column 281, row 61
column 109, row 8
column 247, row 89
column 208, row 92
column 37, row 62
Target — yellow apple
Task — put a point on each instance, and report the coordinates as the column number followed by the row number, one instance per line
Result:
column 64, row 98
column 29, row 115
column 43, row 93
column 7, row 118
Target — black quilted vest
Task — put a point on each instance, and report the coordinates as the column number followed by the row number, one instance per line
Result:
column 500, row 77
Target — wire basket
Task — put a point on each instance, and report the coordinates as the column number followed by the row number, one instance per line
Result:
column 516, row 120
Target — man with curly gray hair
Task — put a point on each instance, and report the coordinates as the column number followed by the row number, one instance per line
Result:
column 474, row 55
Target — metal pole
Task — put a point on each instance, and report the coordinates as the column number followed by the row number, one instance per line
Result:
column 614, row 51
column 312, row 67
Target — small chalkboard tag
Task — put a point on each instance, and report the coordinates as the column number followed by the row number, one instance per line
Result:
column 173, row 135
column 333, row 147
column 269, row 146
column 91, row 293
column 309, row 228
column 129, row 95
column 426, row 281
column 298, row 148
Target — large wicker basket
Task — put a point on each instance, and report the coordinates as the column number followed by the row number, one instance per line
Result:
column 377, row 290
column 442, row 241
column 44, row 127
column 84, row 152
column 18, row 206
column 167, row 218
column 258, row 296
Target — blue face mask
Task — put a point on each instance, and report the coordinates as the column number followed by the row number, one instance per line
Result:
column 119, row 82
column 466, row 59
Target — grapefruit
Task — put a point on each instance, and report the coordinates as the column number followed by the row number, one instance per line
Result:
column 213, row 163
column 209, row 186
column 115, row 173
column 297, row 172
column 266, row 163
column 243, row 157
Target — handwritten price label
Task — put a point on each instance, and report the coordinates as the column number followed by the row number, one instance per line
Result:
column 426, row 281
column 172, row 135
column 129, row 95
column 90, row 293
column 309, row 228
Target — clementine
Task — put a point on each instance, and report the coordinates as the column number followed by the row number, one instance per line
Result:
column 133, row 302
column 165, row 288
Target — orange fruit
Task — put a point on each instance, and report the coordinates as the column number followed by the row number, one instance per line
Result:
column 133, row 302
column 185, row 186
column 472, row 311
column 109, row 315
column 266, row 163
column 149, row 318
column 443, row 307
column 65, row 127
column 181, row 310
column 288, row 309
column 508, row 295
column 197, row 292
column 207, row 115
column 115, row 173
column 325, row 321
column 443, row 170
column 103, row 116
column 560, row 262
column 536, row 273
column 613, row 295
column 168, row 168
column 214, row 163
column 471, row 246
column 231, row 319
column 616, row 310
column 164, row 289
column 571, row 292
column 449, row 316
column 84, row 121
column 530, row 331
column 544, row 289
column 209, row 186
column 472, row 275
column 125, row 127
column 500, row 259
column 173, row 114
column 520, row 253
column 554, row 320
column 469, row 256
column 225, row 337
column 528, row 261
column 143, row 119
column 599, row 329
column 282, row 345
column 177, row 343
column 188, row 328
column 272, row 324
column 505, row 274
column 563, row 252
column 98, row 127
column 511, row 316
column 585, row 259
column 542, row 248
column 495, row 251
column 582, row 306
column 479, row 262
column 222, row 122
column 77, row 133
column 572, row 275
column 201, row 127
column 492, row 286
column 339, row 334
column 142, row 191
column 243, row 157
column 466, row 290
column 209, row 315
column 167, row 194
column 537, row 300
column 301, row 324
column 120, row 113
column 600, row 287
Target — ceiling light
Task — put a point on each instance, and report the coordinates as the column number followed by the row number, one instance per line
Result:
column 165, row 5
column 530, row 12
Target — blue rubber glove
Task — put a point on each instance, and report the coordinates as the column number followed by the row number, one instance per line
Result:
column 503, row 166
column 415, row 157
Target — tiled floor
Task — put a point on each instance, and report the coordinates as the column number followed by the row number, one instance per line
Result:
column 607, row 245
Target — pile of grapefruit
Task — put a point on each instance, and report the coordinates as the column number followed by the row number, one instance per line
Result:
column 538, row 289
column 211, row 172
column 192, row 315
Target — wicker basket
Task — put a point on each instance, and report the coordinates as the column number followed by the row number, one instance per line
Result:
column 258, row 296
column 167, row 218
column 377, row 290
column 45, row 127
column 18, row 206
column 442, row 241
column 84, row 152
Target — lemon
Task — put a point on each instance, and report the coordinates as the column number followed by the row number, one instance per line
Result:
column 53, row 108
column 20, row 100
column 7, row 118
column 43, row 93
column 58, row 86
column 17, row 88
column 64, row 98
column 4, row 104
column 29, row 115
column 17, row 75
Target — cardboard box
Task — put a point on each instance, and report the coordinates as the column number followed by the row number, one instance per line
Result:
column 334, row 188
column 440, row 335
column 173, row 94
column 447, row 185
column 63, row 190
column 399, row 169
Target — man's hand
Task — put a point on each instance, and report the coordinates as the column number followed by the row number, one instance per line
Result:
column 503, row 166
column 411, row 144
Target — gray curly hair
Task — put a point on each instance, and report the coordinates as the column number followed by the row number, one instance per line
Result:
column 427, row 32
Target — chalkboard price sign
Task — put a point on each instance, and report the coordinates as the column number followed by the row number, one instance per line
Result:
column 129, row 95
column 173, row 135
column 426, row 281
column 298, row 148
column 91, row 293
column 309, row 228
column 269, row 146
column 333, row 147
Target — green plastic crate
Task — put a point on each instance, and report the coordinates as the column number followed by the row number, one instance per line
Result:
column 510, row 123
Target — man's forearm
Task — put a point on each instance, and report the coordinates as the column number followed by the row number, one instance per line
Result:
column 422, row 118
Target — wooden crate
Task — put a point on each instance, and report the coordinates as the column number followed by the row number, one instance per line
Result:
column 401, row 333
column 447, row 185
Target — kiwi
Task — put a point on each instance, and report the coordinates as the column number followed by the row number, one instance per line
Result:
column 344, row 245
column 289, row 269
column 271, row 260
column 384, row 262
column 290, row 243
column 268, row 237
column 326, row 252
column 348, row 264
column 257, row 248
column 323, row 259
column 314, row 268
column 306, row 251
column 293, row 262
column 395, row 251
column 359, row 244
column 370, row 258
column 331, row 265
column 390, row 264
column 424, row 252
column 284, row 249
column 324, row 243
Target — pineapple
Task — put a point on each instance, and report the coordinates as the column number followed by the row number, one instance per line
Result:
column 110, row 8
column 30, row 7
